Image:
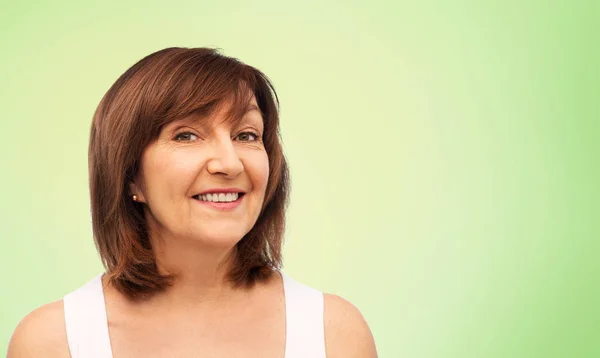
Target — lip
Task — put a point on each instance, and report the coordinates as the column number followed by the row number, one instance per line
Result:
column 223, row 206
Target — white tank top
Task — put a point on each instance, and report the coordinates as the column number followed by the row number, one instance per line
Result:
column 87, row 326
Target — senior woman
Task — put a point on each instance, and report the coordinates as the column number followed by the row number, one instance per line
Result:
column 189, row 187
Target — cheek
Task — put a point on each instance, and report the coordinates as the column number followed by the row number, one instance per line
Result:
column 264, row 172
column 166, row 175
column 257, row 167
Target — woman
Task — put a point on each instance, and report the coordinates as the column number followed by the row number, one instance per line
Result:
column 188, row 188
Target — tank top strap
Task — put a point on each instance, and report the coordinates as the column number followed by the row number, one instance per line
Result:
column 86, row 323
column 305, row 328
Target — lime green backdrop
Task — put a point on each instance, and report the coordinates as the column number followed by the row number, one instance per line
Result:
column 443, row 156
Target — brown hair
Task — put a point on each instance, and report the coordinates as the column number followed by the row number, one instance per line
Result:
column 162, row 87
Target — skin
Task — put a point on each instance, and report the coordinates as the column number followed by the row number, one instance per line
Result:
column 196, row 242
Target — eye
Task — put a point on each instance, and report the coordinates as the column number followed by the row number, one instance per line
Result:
column 247, row 137
column 185, row 137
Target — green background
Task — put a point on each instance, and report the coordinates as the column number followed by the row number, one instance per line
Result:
column 443, row 157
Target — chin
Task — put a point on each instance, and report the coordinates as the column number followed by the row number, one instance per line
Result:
column 220, row 238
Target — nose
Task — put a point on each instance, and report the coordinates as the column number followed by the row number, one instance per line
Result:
column 224, row 159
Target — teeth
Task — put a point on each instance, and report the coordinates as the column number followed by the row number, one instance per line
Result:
column 219, row 197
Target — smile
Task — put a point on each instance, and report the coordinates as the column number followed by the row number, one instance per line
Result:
column 222, row 201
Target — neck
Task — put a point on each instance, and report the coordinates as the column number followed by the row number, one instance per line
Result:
column 200, row 271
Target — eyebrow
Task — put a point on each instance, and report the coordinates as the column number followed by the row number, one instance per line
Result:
column 253, row 107
column 197, row 118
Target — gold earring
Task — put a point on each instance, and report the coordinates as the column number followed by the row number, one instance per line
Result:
column 134, row 197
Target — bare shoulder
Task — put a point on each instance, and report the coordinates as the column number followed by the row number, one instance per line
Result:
column 347, row 334
column 41, row 333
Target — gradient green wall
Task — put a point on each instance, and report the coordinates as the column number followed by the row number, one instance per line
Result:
column 443, row 156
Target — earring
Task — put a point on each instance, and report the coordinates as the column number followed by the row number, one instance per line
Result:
column 134, row 197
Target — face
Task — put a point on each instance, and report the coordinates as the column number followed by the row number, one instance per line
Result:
column 203, row 179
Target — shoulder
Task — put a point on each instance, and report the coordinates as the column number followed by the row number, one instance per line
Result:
column 41, row 333
column 346, row 331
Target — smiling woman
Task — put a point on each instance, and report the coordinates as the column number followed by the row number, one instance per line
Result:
column 189, row 187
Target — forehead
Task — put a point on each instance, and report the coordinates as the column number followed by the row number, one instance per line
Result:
column 229, row 112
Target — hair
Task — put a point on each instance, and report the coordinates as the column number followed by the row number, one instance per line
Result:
column 165, row 86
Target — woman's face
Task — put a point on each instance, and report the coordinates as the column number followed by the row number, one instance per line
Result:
column 204, row 180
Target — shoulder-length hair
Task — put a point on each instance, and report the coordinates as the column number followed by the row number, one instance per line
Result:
column 165, row 86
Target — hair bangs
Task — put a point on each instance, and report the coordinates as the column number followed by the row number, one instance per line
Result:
column 207, row 87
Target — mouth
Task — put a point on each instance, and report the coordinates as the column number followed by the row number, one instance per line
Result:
column 218, row 198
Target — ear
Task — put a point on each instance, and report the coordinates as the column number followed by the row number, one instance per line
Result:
column 134, row 189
